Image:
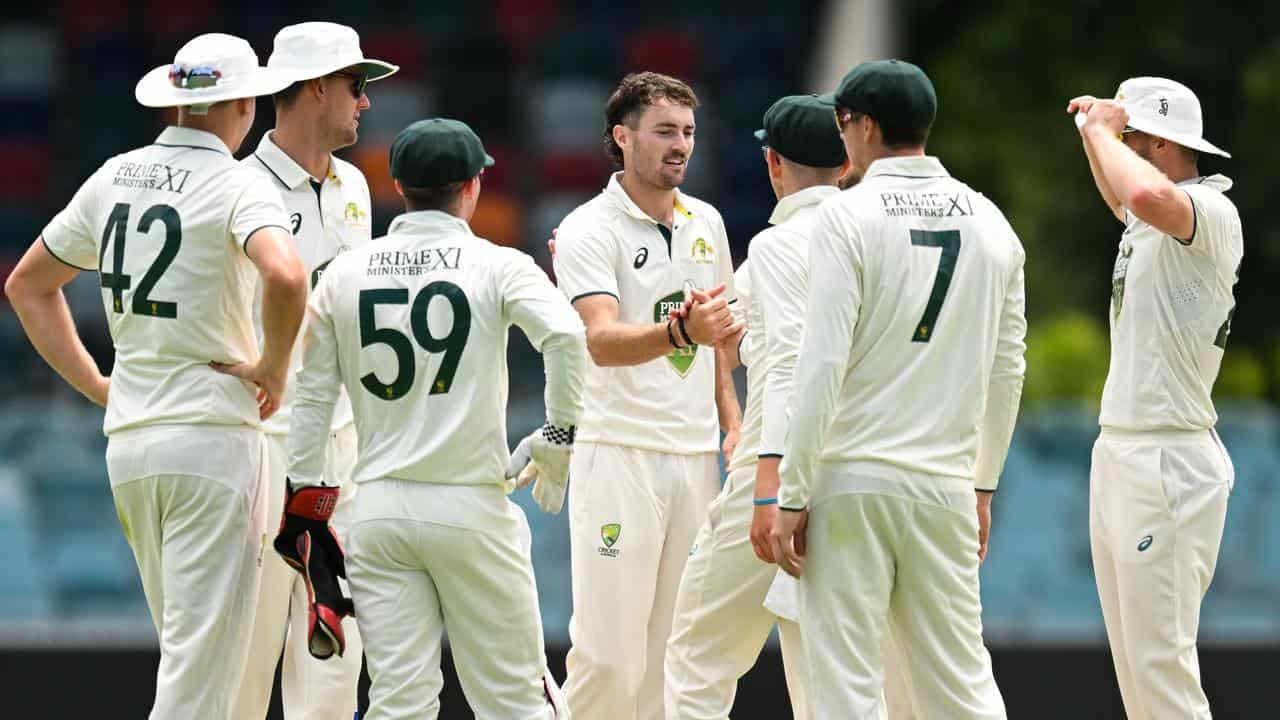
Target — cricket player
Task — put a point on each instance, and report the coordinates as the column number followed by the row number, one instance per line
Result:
column 721, row 623
column 175, row 231
column 1160, row 476
column 906, row 389
column 645, row 468
column 329, row 212
column 414, row 326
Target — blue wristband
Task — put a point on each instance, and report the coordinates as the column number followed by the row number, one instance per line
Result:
column 764, row 501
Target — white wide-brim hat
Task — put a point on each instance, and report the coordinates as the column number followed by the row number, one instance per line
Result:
column 210, row 68
column 315, row 49
column 1168, row 109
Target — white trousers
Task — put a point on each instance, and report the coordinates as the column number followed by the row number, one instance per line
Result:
column 192, row 506
column 1157, row 506
column 720, row 623
column 423, row 558
column 881, row 563
column 310, row 689
column 633, row 518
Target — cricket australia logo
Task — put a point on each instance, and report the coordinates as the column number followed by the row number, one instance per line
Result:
column 609, row 533
column 703, row 253
column 353, row 214
column 680, row 358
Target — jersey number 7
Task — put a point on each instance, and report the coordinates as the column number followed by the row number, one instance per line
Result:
column 949, row 241
column 451, row 344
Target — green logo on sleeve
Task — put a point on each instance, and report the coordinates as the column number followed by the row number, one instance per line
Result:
column 680, row 358
column 1144, row 544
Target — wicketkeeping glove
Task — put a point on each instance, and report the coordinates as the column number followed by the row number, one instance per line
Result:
column 544, row 456
column 308, row 544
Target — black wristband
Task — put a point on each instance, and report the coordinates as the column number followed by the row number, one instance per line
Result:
column 671, row 338
column 684, row 333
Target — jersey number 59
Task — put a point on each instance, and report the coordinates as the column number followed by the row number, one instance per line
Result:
column 451, row 344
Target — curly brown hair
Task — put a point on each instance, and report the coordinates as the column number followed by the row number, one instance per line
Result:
column 636, row 92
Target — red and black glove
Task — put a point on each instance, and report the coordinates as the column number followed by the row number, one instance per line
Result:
column 309, row 545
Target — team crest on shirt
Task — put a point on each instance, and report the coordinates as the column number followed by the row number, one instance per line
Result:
column 353, row 215
column 609, row 533
column 681, row 359
column 703, row 252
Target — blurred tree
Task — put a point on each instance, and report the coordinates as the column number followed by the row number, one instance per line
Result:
column 1067, row 357
column 1004, row 72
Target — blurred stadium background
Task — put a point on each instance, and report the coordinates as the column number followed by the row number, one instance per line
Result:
column 531, row 77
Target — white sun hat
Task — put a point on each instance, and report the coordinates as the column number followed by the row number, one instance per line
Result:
column 1167, row 109
column 315, row 49
column 210, row 68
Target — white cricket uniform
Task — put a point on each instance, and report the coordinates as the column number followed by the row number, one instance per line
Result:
column 327, row 218
column 1160, row 476
column 645, row 468
column 906, row 390
column 166, row 227
column 721, row 623
column 414, row 326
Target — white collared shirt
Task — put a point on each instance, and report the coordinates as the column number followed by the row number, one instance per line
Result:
column 327, row 218
column 775, row 276
column 912, row 358
column 414, row 326
column 609, row 246
column 1171, row 305
column 166, row 227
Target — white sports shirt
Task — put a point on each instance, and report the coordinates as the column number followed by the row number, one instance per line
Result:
column 1171, row 305
column 776, row 275
column 166, row 226
column 912, row 358
column 609, row 246
column 327, row 218
column 414, row 325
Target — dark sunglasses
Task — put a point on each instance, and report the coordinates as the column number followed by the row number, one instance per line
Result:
column 358, row 82
column 193, row 79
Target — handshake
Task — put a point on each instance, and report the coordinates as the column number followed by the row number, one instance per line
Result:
column 703, row 319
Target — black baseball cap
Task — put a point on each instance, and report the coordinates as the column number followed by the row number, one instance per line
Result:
column 892, row 92
column 799, row 127
column 435, row 152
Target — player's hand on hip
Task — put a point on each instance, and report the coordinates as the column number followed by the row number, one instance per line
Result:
column 788, row 540
column 762, row 522
column 100, row 390
column 543, row 459
column 270, row 381
column 984, row 524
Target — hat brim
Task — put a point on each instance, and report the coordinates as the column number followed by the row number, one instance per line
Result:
column 373, row 69
column 155, row 90
column 828, row 99
column 1185, row 140
column 488, row 160
column 761, row 135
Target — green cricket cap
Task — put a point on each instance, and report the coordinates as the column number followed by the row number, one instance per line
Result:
column 435, row 152
column 802, row 130
column 892, row 92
